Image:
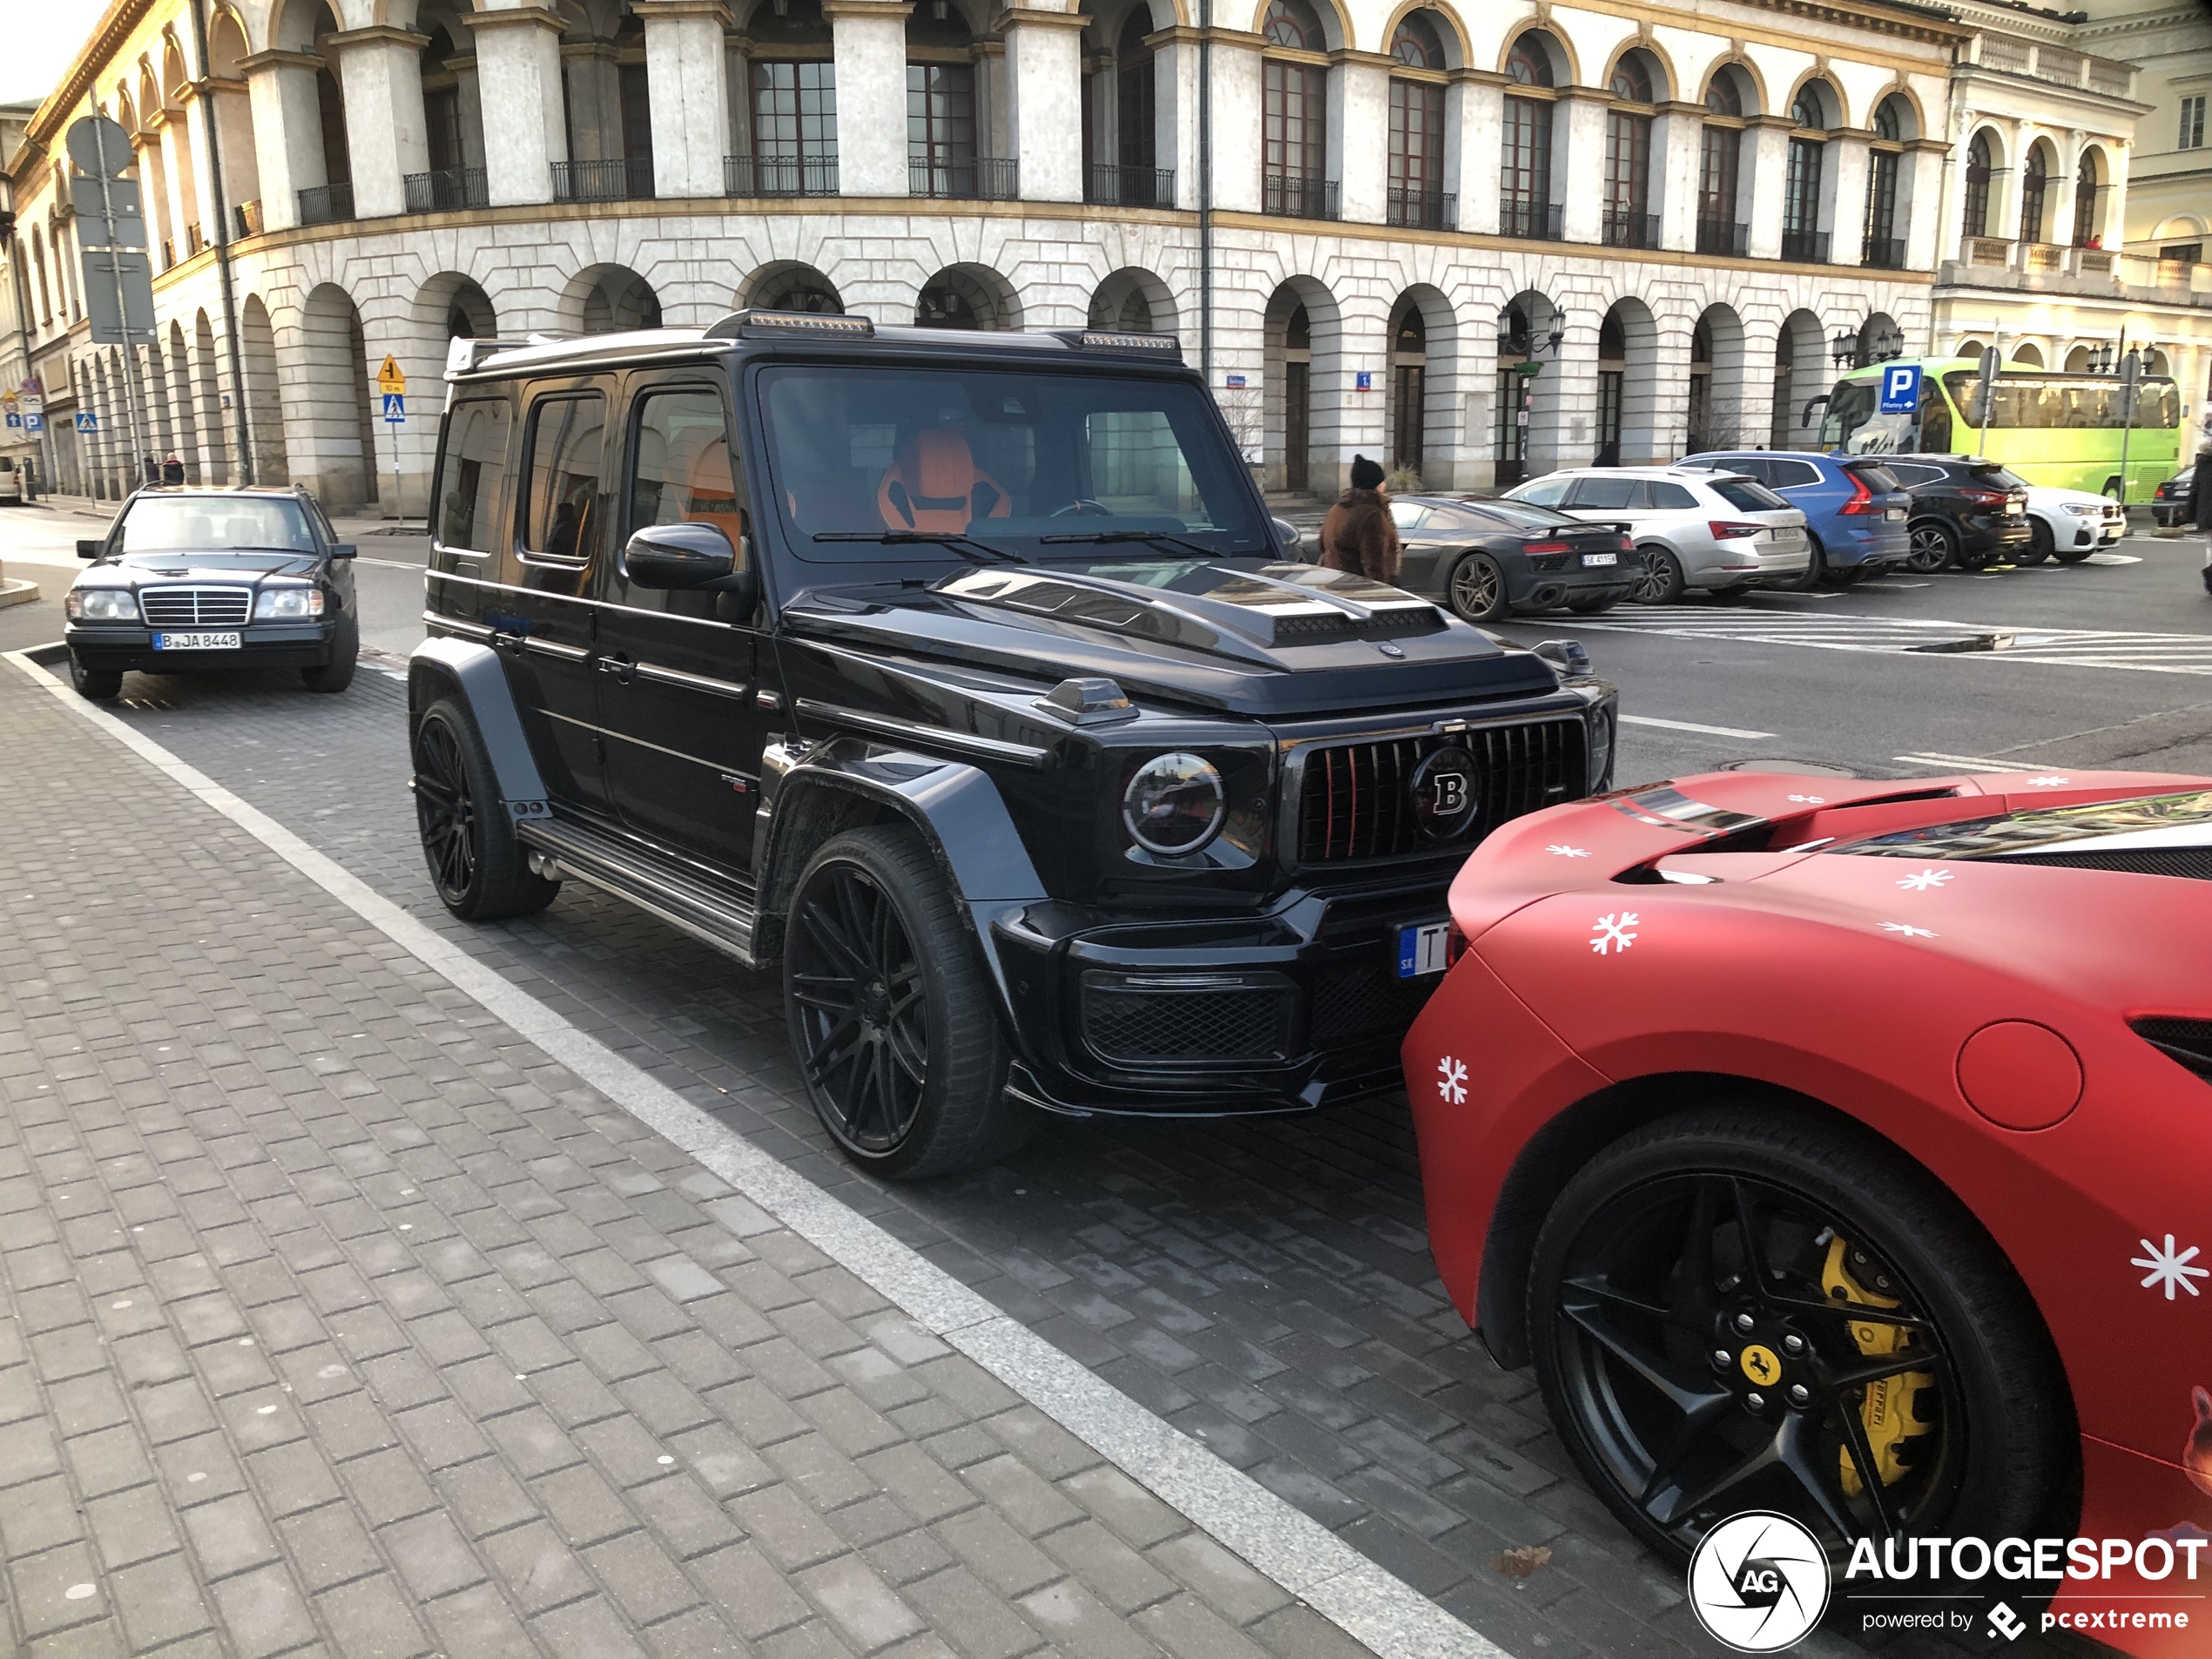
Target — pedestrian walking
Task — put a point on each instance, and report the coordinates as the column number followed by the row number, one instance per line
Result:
column 153, row 470
column 172, row 471
column 1358, row 535
column 2201, row 490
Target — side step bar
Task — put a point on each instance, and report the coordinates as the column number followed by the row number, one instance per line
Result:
column 720, row 916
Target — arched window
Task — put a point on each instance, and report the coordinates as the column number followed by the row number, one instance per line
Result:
column 1975, row 221
column 1884, row 248
column 1627, row 222
column 1632, row 78
column 1417, row 127
column 2035, row 184
column 1720, row 228
column 1724, row 97
column 1529, row 62
column 1802, row 237
column 1889, row 120
column 1809, row 110
column 1294, row 116
column 1136, row 108
column 2085, row 203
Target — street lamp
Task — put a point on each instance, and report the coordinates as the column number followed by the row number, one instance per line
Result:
column 1843, row 349
column 2100, row 359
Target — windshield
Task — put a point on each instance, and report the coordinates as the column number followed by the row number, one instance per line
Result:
column 1854, row 425
column 1034, row 464
column 215, row 524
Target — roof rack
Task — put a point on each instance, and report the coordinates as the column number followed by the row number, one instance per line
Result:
column 754, row 323
column 463, row 353
column 1126, row 340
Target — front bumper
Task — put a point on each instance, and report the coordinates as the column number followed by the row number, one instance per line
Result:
column 261, row 644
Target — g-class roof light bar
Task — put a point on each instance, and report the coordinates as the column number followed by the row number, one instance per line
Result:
column 740, row 325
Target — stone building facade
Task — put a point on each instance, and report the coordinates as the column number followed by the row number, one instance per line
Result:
column 1475, row 242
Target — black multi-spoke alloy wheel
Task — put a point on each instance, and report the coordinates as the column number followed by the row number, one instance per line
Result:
column 1477, row 589
column 1933, row 546
column 1740, row 1308
column 892, row 1017
column 95, row 684
column 1661, row 583
column 2041, row 543
column 481, row 871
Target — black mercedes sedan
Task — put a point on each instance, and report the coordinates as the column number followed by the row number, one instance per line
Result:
column 189, row 579
column 1486, row 558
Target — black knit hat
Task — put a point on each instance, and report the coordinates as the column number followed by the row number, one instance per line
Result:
column 1365, row 475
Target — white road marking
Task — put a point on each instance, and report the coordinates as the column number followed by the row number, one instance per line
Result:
column 1368, row 1604
column 1962, row 763
column 1691, row 725
column 2156, row 653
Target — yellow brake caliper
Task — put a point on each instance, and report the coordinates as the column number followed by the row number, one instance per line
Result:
column 1891, row 1411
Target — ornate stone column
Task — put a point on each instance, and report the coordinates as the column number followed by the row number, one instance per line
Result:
column 288, row 131
column 1578, row 172
column 1359, row 136
column 687, row 68
column 518, row 77
column 1474, row 118
column 1044, row 99
column 869, row 40
column 386, row 135
column 1677, row 150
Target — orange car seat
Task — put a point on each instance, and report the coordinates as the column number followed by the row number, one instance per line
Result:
column 711, row 496
column 934, row 483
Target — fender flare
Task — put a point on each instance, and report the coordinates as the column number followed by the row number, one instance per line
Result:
column 474, row 671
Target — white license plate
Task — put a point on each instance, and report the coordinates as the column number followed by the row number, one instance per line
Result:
column 2013, row 509
column 1420, row 950
column 1895, row 514
column 1597, row 561
column 196, row 642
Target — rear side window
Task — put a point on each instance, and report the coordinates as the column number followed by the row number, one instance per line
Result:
column 1604, row 493
column 1407, row 515
column 1756, row 466
column 2000, row 477
column 1880, row 480
column 1673, row 496
column 474, row 474
column 1788, row 474
column 1548, row 492
column 1746, row 496
column 1911, row 475
column 567, row 445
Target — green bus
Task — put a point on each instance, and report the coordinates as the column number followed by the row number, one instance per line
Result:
column 2066, row 430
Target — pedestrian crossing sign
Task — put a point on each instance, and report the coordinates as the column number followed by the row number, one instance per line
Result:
column 394, row 408
column 88, row 422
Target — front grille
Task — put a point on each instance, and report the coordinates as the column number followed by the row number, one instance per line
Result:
column 2191, row 863
column 1367, row 1000
column 195, row 607
column 1355, row 801
column 1134, row 1018
column 2187, row 1043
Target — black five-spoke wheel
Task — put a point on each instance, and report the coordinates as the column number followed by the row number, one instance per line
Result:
column 1735, row 1311
column 856, row 992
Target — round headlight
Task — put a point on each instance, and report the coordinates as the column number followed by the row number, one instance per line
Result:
column 102, row 605
column 1601, row 749
column 1174, row 804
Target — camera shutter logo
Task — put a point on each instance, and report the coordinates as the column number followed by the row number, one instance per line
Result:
column 1758, row 1582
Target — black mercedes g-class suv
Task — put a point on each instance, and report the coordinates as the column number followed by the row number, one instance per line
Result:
column 965, row 675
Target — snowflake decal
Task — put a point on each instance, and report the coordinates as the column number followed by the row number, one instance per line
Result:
column 1909, row 932
column 1557, row 851
column 1612, row 932
column 1924, row 879
column 1809, row 801
column 2048, row 783
column 1452, row 1081
column 2169, row 1268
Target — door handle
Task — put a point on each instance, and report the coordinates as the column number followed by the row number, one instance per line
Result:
column 621, row 667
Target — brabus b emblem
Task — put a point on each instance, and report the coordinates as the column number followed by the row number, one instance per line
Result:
column 1444, row 793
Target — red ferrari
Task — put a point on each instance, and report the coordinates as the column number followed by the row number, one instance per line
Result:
column 1842, row 1147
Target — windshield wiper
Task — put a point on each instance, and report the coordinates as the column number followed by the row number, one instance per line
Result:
column 1157, row 538
column 968, row 546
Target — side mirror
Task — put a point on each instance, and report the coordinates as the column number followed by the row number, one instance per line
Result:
column 1287, row 535
column 344, row 550
column 1567, row 656
column 692, row 556
column 89, row 549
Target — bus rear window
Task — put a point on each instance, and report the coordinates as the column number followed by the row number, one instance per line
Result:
column 2068, row 403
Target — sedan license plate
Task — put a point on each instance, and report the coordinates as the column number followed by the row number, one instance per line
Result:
column 2014, row 509
column 1420, row 950
column 1895, row 514
column 1596, row 561
column 196, row 642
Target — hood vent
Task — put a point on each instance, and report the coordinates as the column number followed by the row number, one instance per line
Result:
column 2192, row 863
column 2186, row 1043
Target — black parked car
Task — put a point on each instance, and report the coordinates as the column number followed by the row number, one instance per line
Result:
column 2169, row 503
column 1965, row 511
column 196, row 579
column 1485, row 558
column 962, row 676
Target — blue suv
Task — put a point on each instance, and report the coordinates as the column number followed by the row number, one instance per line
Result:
column 1855, row 510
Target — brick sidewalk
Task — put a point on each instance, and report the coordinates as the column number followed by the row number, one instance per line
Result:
column 335, row 1318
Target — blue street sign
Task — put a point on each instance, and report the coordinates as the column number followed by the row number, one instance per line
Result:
column 396, row 407
column 34, row 423
column 1363, row 381
column 88, row 422
column 1900, row 388
column 14, row 420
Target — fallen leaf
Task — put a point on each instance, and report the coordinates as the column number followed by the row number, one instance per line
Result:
column 1519, row 1564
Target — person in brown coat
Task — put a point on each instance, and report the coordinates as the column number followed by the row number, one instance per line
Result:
column 1358, row 534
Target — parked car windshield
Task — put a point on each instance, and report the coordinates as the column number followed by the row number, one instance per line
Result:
column 215, row 524
column 1747, row 494
column 1041, row 465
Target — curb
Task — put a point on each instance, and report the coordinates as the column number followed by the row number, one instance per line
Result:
column 14, row 590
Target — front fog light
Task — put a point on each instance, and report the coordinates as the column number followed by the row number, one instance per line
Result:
column 1601, row 749
column 1174, row 804
column 101, row 605
column 282, row 605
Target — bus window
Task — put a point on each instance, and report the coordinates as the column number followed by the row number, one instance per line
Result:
column 2072, row 404
column 1935, row 418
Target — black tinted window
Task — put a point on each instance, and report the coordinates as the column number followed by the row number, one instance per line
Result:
column 1881, row 480
column 567, row 441
column 1788, row 474
column 1746, row 496
column 1907, row 474
column 473, row 474
column 1998, row 477
column 1673, row 498
column 1604, row 493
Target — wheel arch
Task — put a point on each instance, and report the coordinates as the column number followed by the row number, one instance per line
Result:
column 472, row 672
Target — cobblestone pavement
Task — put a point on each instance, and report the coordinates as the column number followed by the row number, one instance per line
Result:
column 1265, row 1287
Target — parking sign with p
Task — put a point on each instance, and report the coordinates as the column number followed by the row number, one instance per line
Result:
column 1900, row 388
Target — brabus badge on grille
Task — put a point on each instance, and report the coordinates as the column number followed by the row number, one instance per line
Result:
column 1444, row 793
column 1389, row 650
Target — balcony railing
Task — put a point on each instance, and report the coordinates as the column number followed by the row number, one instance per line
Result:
column 1288, row 198
column 1424, row 210
column 1727, row 236
column 624, row 178
column 1884, row 253
column 1531, row 221
column 249, row 217
column 986, row 179
column 447, row 191
column 779, row 175
column 196, row 240
column 326, row 204
column 1113, row 186
column 1807, row 247
column 1626, row 228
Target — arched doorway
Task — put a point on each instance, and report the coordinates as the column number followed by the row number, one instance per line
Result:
column 789, row 285
column 1422, row 391
column 334, row 397
column 264, row 413
column 1715, row 380
column 1526, row 330
column 609, row 299
column 968, row 296
column 1133, row 297
column 1408, row 411
column 1300, row 335
column 1800, row 375
column 2027, row 353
